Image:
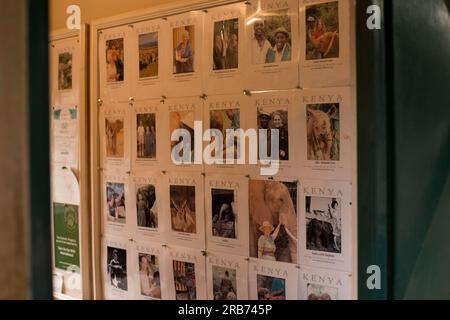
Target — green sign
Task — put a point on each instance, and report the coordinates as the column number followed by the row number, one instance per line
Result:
column 66, row 236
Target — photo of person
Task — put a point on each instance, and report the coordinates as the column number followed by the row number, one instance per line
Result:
column 271, row 288
column 271, row 42
column 146, row 135
column 184, row 49
column 115, row 60
column 117, row 268
column 148, row 55
column 323, row 132
column 182, row 208
column 323, row 224
column 184, row 279
column 183, row 120
column 275, row 118
column 322, row 31
column 273, row 220
column 224, row 283
column 146, row 208
column 115, row 202
column 319, row 292
column 149, row 276
column 223, row 120
column 65, row 71
column 115, row 137
column 224, row 215
column 226, row 44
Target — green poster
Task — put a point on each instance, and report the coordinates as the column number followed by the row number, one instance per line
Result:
column 66, row 236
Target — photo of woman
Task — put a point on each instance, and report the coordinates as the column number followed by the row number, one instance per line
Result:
column 273, row 220
column 183, row 39
column 149, row 278
column 114, row 60
column 322, row 25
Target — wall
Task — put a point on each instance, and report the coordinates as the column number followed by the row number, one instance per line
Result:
column 95, row 9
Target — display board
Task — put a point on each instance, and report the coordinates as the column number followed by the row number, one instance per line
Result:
column 186, row 213
column 69, row 165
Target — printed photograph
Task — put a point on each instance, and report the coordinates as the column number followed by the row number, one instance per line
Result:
column 149, row 276
column 322, row 129
column 273, row 220
column 272, row 38
column 223, row 120
column 183, row 49
column 319, row 292
column 65, row 71
column 115, row 202
column 115, row 60
column 183, row 120
column 147, row 212
column 226, row 44
column 224, row 283
column 148, row 55
column 271, row 288
column 115, row 137
column 146, row 135
column 117, row 268
column 184, row 279
column 182, row 208
column 322, row 31
column 323, row 224
column 224, row 215
column 275, row 119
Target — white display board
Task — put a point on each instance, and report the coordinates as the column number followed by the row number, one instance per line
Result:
column 175, row 81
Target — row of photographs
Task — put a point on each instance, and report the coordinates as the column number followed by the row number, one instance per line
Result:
column 139, row 270
column 306, row 222
column 261, row 45
column 315, row 130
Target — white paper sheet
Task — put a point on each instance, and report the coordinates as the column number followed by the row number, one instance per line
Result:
column 116, row 205
column 226, row 200
column 328, row 133
column 65, row 136
column 322, row 284
column 325, row 35
column 227, row 277
column 115, row 58
column 269, row 280
column 186, row 45
column 273, row 219
column 277, row 110
column 187, row 274
column 224, row 49
column 116, row 262
column 326, row 229
column 273, row 44
column 149, row 273
column 148, row 131
column 114, row 130
column 184, row 207
column 182, row 114
column 146, row 207
column 65, row 70
column 150, row 67
column 227, row 112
